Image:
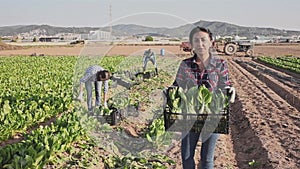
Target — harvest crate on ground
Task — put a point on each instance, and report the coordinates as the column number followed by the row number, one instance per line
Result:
column 107, row 115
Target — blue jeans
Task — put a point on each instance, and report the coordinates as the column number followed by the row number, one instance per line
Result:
column 88, row 86
column 188, row 146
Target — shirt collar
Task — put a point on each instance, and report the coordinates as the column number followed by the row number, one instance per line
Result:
column 212, row 60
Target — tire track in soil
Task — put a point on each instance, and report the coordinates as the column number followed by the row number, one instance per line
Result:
column 261, row 129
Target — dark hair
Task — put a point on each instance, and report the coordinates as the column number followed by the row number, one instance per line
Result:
column 199, row 29
column 102, row 74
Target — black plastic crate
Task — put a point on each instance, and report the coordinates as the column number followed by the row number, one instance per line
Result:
column 215, row 123
column 123, row 83
column 146, row 75
column 113, row 118
column 182, row 122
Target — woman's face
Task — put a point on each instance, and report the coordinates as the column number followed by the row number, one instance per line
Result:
column 201, row 43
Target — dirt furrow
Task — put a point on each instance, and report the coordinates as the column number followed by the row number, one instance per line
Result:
column 289, row 95
column 271, row 134
column 287, row 87
column 282, row 116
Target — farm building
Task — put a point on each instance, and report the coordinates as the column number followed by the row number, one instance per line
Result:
column 49, row 39
column 96, row 35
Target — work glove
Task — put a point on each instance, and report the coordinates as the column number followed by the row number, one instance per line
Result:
column 232, row 93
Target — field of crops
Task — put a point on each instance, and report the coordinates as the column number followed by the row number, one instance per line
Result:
column 43, row 126
column 290, row 63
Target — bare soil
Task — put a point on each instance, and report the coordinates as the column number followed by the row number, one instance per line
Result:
column 265, row 126
column 73, row 50
column 4, row 46
column 277, row 50
column 264, row 121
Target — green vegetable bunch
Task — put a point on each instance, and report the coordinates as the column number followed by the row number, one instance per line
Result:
column 104, row 111
column 177, row 100
column 196, row 100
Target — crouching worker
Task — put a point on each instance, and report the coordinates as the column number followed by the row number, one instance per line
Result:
column 149, row 55
column 94, row 75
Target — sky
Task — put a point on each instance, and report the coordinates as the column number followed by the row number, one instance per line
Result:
column 280, row 14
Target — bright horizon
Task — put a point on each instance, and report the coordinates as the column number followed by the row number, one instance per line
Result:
column 276, row 14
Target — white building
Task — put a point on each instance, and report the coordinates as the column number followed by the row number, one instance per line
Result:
column 97, row 35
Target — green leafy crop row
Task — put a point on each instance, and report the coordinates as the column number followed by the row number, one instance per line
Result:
column 33, row 89
column 288, row 63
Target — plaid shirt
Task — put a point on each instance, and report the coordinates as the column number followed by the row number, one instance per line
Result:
column 216, row 74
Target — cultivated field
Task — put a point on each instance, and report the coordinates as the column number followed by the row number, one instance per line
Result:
column 259, row 50
column 264, row 120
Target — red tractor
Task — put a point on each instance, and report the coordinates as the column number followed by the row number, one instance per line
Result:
column 186, row 46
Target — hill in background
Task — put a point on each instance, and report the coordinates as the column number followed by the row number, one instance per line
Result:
column 218, row 28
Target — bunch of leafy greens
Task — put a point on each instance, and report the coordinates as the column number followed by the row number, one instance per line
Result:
column 196, row 100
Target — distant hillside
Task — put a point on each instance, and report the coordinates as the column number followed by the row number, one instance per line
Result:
column 46, row 29
column 222, row 28
column 218, row 28
column 131, row 29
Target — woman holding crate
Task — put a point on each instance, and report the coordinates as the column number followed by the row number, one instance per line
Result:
column 203, row 68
